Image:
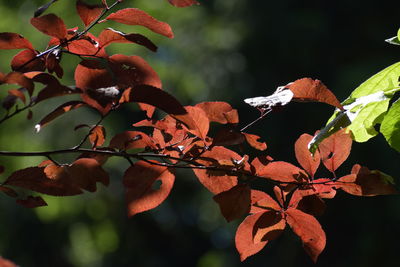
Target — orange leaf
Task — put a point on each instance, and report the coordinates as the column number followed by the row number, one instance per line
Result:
column 183, row 3
column 307, row 89
column 269, row 226
column 261, row 202
column 217, row 181
column 35, row 179
column 17, row 93
column 235, row 202
column 10, row 40
column 141, row 193
column 50, row 24
column 97, row 136
column 109, row 36
column 216, row 111
column 32, row 202
column 131, row 140
column 19, row 60
column 6, row 263
column 20, row 79
column 60, row 110
column 282, row 172
column 134, row 16
column 309, row 162
column 309, row 230
column 252, row 140
column 200, row 121
column 88, row 13
column 260, row 162
column 244, row 237
column 335, row 149
column 363, row 182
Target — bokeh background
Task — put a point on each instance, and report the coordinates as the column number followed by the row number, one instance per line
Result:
column 222, row 51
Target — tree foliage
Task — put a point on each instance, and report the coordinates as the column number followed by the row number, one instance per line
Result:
column 204, row 137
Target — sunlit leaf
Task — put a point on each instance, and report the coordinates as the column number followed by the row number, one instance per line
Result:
column 88, row 13
column 235, row 202
column 142, row 193
column 216, row 111
column 308, row 161
column 50, row 24
column 109, row 36
column 97, row 136
column 131, row 140
column 309, row 230
column 134, row 16
column 269, row 226
column 282, row 172
column 390, row 127
column 10, row 40
column 244, row 237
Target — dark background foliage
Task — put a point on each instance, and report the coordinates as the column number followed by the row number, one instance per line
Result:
column 225, row 51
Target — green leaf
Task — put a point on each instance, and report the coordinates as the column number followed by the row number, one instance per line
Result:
column 364, row 108
column 390, row 127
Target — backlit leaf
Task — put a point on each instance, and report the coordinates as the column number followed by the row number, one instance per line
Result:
column 390, row 127
column 10, row 40
column 6, row 263
column 50, row 24
column 18, row 63
column 32, row 202
column 88, row 13
column 235, row 202
column 363, row 182
column 335, row 149
column 131, row 140
column 309, row 230
column 183, row 3
column 269, row 226
column 134, row 16
column 97, row 136
column 308, row 161
column 217, row 181
column 200, row 121
column 20, row 79
column 216, row 111
column 109, row 36
column 142, row 193
column 282, row 172
column 307, row 89
column 60, row 110
column 252, row 140
column 244, row 237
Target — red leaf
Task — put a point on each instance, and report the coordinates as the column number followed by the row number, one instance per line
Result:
column 51, row 25
column 19, row 60
column 32, row 202
column 18, row 94
column 335, row 149
column 10, row 40
column 217, row 181
column 53, row 63
column 216, row 111
column 97, row 136
column 64, row 108
column 262, row 202
column 282, row 172
column 309, row 162
column 363, row 182
column 227, row 136
column 244, row 237
column 6, row 263
column 307, row 89
column 85, row 47
column 140, row 181
column 162, row 100
column 20, row 79
column 260, row 162
column 35, row 179
column 109, row 36
column 312, row 205
column 269, row 226
column 183, row 3
column 309, row 230
column 200, row 121
column 88, row 13
column 134, row 16
column 8, row 191
column 235, row 202
column 252, row 140
column 131, row 140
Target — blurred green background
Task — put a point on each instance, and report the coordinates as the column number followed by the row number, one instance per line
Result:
column 222, row 51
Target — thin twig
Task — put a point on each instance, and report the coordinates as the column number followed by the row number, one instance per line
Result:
column 256, row 120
